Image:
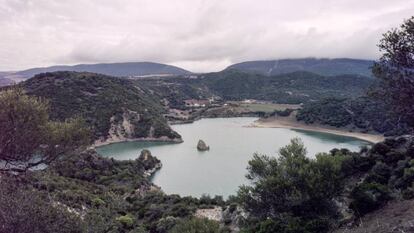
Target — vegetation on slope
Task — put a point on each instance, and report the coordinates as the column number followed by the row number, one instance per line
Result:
column 88, row 193
column 78, row 191
column 293, row 193
column 104, row 102
column 294, row 88
column 176, row 89
column 364, row 114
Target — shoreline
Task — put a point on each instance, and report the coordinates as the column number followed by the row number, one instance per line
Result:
column 291, row 123
column 98, row 143
column 271, row 122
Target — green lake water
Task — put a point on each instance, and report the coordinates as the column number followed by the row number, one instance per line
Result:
column 222, row 169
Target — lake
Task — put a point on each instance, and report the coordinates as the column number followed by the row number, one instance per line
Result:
column 222, row 169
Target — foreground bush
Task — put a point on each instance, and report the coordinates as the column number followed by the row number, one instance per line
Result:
column 292, row 191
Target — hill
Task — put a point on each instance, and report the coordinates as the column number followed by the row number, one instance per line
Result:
column 115, row 108
column 294, row 88
column 128, row 69
column 326, row 67
column 5, row 81
column 362, row 113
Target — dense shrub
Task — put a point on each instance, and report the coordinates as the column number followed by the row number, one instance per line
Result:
column 24, row 210
column 380, row 174
column 294, row 186
column 364, row 113
column 368, row 197
column 126, row 220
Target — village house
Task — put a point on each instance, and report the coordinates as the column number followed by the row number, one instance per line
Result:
column 196, row 103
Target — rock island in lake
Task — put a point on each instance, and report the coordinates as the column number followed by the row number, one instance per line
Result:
column 202, row 146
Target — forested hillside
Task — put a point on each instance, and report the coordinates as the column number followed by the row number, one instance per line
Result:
column 292, row 88
column 113, row 107
column 176, row 89
column 297, row 87
column 363, row 113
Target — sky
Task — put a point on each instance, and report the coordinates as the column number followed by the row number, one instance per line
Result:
column 198, row 35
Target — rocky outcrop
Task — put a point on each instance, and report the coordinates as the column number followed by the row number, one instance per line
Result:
column 231, row 216
column 215, row 214
column 143, row 190
column 150, row 163
column 202, row 146
column 234, row 216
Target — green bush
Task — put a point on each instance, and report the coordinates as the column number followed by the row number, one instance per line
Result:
column 98, row 202
column 367, row 197
column 380, row 174
column 408, row 193
column 164, row 225
column 292, row 185
column 126, row 220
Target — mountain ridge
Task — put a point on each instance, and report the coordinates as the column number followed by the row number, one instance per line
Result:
column 321, row 66
column 119, row 69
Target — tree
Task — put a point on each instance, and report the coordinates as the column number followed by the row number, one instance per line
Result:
column 395, row 70
column 293, row 189
column 28, row 138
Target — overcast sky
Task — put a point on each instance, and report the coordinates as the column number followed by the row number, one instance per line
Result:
column 199, row 35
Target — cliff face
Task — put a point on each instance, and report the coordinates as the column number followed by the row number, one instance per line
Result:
column 115, row 109
column 151, row 164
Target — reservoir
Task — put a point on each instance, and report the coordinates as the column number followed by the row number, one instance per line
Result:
column 222, row 169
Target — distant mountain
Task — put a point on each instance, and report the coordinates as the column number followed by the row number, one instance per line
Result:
column 128, row 69
column 326, row 67
column 115, row 108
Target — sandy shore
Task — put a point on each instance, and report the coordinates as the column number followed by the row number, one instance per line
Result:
column 291, row 123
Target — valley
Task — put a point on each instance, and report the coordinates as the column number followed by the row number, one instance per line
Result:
column 284, row 145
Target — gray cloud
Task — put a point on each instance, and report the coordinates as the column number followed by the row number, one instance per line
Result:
column 200, row 35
